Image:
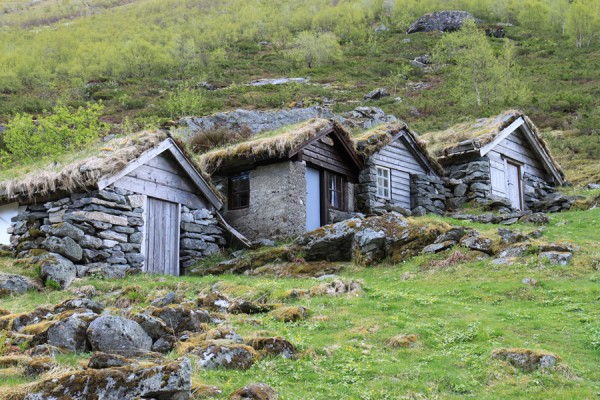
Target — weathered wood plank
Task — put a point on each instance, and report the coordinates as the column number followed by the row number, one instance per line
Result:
column 165, row 178
column 161, row 192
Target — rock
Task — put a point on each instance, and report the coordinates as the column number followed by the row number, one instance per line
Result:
column 556, row 257
column 181, row 319
column 509, row 237
column 338, row 287
column 592, row 186
column 535, row 218
column 154, row 327
column 70, row 334
column 113, row 236
column 367, row 117
column 277, row 81
column 437, row 247
column 64, row 246
column 56, row 268
column 74, row 304
column 273, row 346
column 290, row 314
column 39, row 365
column 474, row 242
column 43, row 350
column 444, row 21
column 67, row 230
column 255, row 391
column 164, row 344
column 330, row 242
column 118, row 335
column 497, row 32
column 169, row 298
column 247, row 307
column 369, row 246
column 530, row 281
column 225, row 355
column 15, row 284
column 96, row 216
column 515, row 251
column 376, row 94
column 381, row 28
column 168, row 381
column 525, row 359
column 100, row 360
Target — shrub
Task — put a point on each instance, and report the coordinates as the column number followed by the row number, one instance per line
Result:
column 27, row 139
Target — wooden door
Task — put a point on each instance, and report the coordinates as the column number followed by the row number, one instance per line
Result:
column 313, row 199
column 162, row 237
column 513, row 184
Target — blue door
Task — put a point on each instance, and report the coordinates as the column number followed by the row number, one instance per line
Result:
column 313, row 199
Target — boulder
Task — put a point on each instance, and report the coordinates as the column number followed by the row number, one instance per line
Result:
column 15, row 284
column 475, row 242
column 526, row 359
column 168, row 381
column 180, row 318
column 227, row 355
column 273, row 346
column 369, row 246
column 255, row 391
column 376, row 94
column 290, row 314
column 535, row 219
column 66, row 229
column 247, row 307
column 100, row 360
column 164, row 301
column 74, row 304
column 56, row 268
column 118, row 335
column 71, row 334
column 154, row 327
column 64, row 246
column 330, row 242
column 403, row 341
column 444, row 21
column 338, row 287
column 39, row 365
column 164, row 344
column 556, row 257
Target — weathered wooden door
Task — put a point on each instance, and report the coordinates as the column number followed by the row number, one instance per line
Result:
column 313, row 199
column 162, row 237
column 513, row 184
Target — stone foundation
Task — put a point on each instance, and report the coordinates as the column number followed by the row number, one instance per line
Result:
column 428, row 194
column 103, row 232
column 468, row 182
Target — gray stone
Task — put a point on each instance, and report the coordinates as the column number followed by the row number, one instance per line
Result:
column 164, row 344
column 135, row 259
column 193, row 244
column 100, row 360
column 257, row 391
column 111, row 196
column 369, row 246
column 474, row 242
column 136, row 201
column 535, row 218
column 154, row 327
column 226, row 356
column 99, row 217
column 172, row 381
column 444, row 21
column 164, row 301
column 90, row 242
column 376, row 94
column 104, row 269
column 556, row 257
column 118, row 335
column 136, row 238
column 64, row 246
column 277, row 81
column 56, row 268
column 114, row 236
column 74, row 304
column 437, row 247
column 70, row 334
column 181, row 319
column 515, row 251
column 331, row 242
column 15, row 284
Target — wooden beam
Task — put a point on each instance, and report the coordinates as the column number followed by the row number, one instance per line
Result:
column 318, row 136
column 503, row 135
column 161, row 192
column 146, row 156
column 544, row 156
column 195, row 176
column 237, row 235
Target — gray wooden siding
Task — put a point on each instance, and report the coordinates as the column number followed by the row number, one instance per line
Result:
column 516, row 147
column 162, row 177
column 162, row 237
column 498, row 177
column 328, row 157
column 401, row 163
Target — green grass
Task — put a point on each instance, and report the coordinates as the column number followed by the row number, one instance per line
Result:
column 460, row 313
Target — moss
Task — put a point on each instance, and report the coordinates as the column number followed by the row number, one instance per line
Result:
column 37, row 252
column 39, row 328
column 14, row 361
column 403, row 341
column 35, row 233
column 201, row 391
column 290, row 314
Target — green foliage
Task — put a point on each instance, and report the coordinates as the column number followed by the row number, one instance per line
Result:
column 315, row 49
column 583, row 21
column 52, row 284
column 478, row 77
column 186, row 100
column 64, row 130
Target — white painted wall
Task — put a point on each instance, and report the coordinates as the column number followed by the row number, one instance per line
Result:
column 7, row 212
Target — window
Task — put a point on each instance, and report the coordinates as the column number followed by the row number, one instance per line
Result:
column 383, row 182
column 335, row 191
column 239, row 191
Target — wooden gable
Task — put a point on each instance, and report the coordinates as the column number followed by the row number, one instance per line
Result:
column 165, row 173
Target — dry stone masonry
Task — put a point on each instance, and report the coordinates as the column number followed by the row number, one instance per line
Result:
column 102, row 232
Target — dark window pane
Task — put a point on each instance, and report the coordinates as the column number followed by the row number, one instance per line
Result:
column 239, row 191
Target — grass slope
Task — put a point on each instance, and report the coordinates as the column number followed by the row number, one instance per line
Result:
column 460, row 314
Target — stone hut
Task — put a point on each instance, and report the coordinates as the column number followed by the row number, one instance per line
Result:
column 135, row 203
column 283, row 183
column 499, row 162
column 398, row 173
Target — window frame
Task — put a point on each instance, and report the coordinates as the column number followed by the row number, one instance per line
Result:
column 236, row 194
column 389, row 182
column 338, row 188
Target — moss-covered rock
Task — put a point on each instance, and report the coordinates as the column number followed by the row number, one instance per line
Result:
column 403, row 341
column 225, row 354
column 255, row 391
column 526, row 359
column 291, row 314
column 272, row 346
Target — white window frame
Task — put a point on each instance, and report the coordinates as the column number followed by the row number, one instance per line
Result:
column 384, row 183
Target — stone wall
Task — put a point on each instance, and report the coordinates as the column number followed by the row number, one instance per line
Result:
column 201, row 236
column 539, row 196
column 468, row 182
column 277, row 206
column 427, row 194
column 102, row 231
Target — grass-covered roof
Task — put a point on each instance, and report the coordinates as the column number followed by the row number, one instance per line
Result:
column 76, row 171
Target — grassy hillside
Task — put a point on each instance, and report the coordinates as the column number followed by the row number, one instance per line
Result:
column 460, row 311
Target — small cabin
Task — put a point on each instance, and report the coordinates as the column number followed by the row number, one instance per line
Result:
column 398, row 173
column 500, row 161
column 137, row 203
column 281, row 184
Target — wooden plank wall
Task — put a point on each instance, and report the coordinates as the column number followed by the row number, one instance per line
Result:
column 328, row 157
column 163, row 178
column 401, row 163
column 162, row 237
column 516, row 147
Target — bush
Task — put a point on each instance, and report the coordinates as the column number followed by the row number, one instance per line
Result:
column 27, row 139
column 186, row 100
